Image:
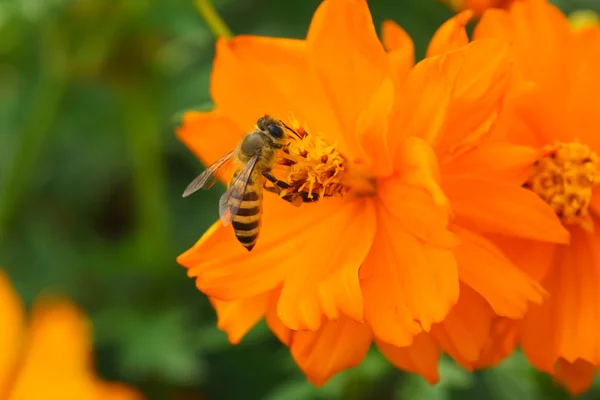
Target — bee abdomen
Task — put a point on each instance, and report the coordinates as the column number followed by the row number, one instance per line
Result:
column 246, row 223
column 251, row 196
column 245, row 226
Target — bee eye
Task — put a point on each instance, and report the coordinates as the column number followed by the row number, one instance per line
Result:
column 261, row 123
column 275, row 131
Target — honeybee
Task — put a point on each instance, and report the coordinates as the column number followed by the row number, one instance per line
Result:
column 254, row 156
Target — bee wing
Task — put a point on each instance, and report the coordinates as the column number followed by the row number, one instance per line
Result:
column 227, row 208
column 210, row 172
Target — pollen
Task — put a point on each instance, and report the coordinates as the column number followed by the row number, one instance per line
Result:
column 312, row 167
column 564, row 178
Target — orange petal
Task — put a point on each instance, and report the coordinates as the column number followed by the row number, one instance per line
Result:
column 255, row 75
column 408, row 278
column 227, row 271
column 57, row 363
column 421, row 357
column 582, row 111
column 386, row 309
column 401, row 49
column 11, row 330
column 209, row 135
column 498, row 207
column 523, row 121
column 532, row 257
column 541, row 35
column 451, row 35
column 569, row 320
column 495, row 160
column 283, row 333
column 372, row 129
column 480, row 81
column 448, row 97
column 417, row 165
column 537, row 333
column 325, row 280
column 421, row 111
column 349, row 61
column 237, row 317
column 502, row 342
column 485, row 269
column 577, row 376
column 496, row 24
column 465, row 331
column 336, row 346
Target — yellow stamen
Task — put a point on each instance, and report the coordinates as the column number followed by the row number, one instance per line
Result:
column 313, row 167
column 564, row 178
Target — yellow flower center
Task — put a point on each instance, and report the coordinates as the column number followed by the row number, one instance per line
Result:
column 583, row 19
column 564, row 178
column 314, row 168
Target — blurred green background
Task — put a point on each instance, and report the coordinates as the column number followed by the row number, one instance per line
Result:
column 91, row 178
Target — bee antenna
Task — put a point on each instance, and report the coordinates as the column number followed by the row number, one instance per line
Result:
column 290, row 129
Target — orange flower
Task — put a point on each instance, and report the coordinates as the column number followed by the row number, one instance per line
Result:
column 554, row 106
column 51, row 360
column 331, row 276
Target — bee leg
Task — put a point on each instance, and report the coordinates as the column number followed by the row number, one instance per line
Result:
column 306, row 198
column 292, row 198
column 276, row 182
column 298, row 198
column 272, row 189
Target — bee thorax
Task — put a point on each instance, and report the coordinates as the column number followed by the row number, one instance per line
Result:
column 251, row 143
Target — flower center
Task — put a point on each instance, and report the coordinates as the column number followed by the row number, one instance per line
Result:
column 564, row 178
column 314, row 168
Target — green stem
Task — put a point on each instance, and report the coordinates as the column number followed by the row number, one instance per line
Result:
column 41, row 113
column 214, row 21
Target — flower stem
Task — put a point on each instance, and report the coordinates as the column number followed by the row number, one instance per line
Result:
column 214, row 21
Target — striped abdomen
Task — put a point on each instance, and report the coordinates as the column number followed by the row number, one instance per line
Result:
column 246, row 222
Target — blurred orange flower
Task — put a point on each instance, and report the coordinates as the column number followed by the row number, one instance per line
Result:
column 51, row 359
column 554, row 106
column 332, row 275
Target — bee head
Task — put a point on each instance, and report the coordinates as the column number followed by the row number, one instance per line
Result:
column 275, row 131
column 268, row 124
